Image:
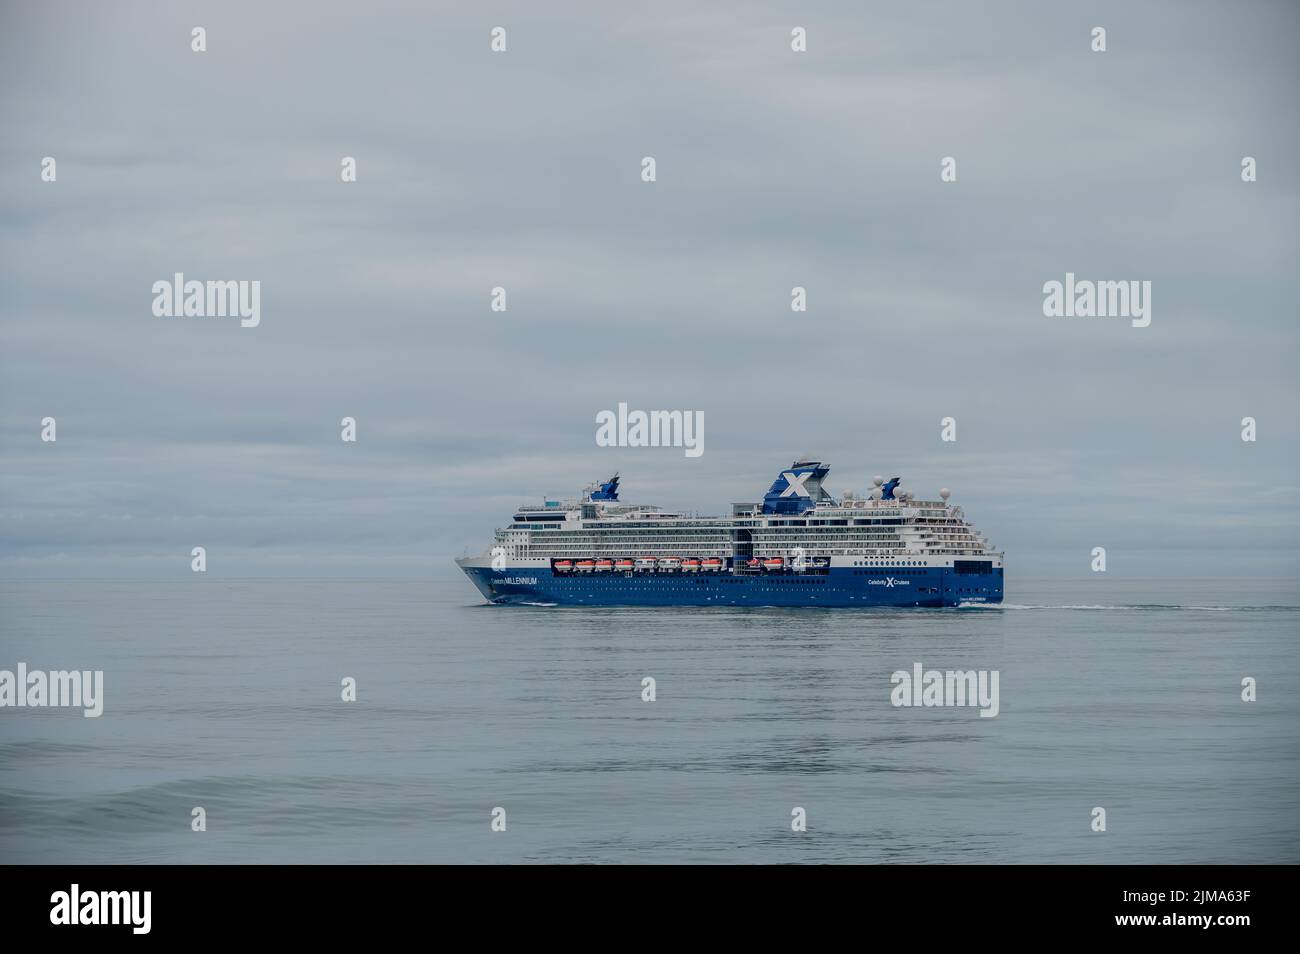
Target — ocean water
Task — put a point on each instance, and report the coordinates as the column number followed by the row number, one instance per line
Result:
column 1119, row 694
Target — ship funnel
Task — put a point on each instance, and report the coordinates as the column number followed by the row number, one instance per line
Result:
column 797, row 489
column 604, row 490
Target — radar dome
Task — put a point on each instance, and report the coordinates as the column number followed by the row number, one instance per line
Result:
column 877, row 480
column 945, row 493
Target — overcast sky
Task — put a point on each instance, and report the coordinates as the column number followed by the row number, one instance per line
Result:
column 522, row 169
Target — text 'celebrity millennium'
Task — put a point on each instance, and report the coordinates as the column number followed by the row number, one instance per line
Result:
column 798, row 547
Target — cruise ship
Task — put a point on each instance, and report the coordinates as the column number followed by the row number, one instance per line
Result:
column 798, row 546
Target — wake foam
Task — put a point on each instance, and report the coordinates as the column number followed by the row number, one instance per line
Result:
column 1132, row 608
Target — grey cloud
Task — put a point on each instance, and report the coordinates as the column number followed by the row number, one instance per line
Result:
column 521, row 170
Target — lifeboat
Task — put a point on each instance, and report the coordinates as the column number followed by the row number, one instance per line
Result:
column 623, row 565
column 753, row 564
column 604, row 566
column 585, row 566
column 563, row 566
column 712, row 563
column 690, row 565
column 645, row 563
column 670, row 563
column 773, row 563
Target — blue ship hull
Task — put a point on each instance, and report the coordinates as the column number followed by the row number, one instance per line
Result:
column 840, row 587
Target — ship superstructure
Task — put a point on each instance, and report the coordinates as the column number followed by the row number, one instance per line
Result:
column 798, row 546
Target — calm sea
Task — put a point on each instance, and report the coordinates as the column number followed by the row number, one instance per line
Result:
column 1119, row 694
